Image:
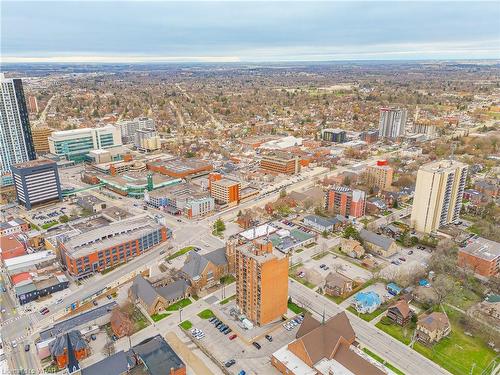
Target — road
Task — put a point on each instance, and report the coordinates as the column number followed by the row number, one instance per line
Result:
column 400, row 355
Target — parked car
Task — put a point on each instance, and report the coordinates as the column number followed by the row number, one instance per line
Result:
column 27, row 347
column 257, row 345
column 109, row 296
column 269, row 338
column 322, row 266
column 93, row 337
column 242, row 372
column 44, row 311
column 94, row 303
column 232, row 337
column 402, row 259
column 230, row 363
column 410, row 252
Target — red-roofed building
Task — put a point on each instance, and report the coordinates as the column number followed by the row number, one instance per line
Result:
column 11, row 247
column 20, row 277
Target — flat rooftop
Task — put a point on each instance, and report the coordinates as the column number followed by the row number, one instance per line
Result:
column 483, row 248
column 180, row 191
column 110, row 235
column 442, row 166
column 181, row 165
column 35, row 163
column 258, row 231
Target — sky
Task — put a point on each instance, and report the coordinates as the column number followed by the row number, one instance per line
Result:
column 232, row 31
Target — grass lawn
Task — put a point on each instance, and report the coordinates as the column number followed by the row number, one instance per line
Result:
column 337, row 299
column 397, row 331
column 179, row 304
column 48, row 225
column 370, row 316
column 158, row 317
column 463, row 299
column 311, row 244
column 458, row 352
column 295, row 308
column 139, row 320
column 186, row 325
column 227, row 300
column 299, row 251
column 180, row 252
column 381, row 360
column 206, row 314
column 228, row 279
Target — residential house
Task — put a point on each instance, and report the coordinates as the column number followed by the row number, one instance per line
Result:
column 432, row 328
column 366, row 302
column 378, row 244
column 337, row 284
column 375, row 206
column 320, row 224
column 205, row 271
column 351, row 247
column 399, row 312
column 325, row 348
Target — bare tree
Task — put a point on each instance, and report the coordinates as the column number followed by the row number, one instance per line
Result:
column 443, row 286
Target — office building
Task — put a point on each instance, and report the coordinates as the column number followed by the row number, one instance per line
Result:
column 438, row 195
column 41, row 139
column 75, row 144
column 334, row 135
column 16, row 142
column 261, row 280
column 224, row 190
column 281, row 162
column 180, row 168
column 392, row 123
column 379, row 175
column 129, row 127
column 36, row 182
column 482, row 256
column 147, row 140
column 345, row 201
column 111, row 245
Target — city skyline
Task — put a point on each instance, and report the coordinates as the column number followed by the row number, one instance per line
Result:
column 248, row 32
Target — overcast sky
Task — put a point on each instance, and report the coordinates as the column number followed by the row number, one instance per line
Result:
column 248, row 31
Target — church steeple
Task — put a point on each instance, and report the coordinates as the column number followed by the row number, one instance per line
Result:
column 73, row 364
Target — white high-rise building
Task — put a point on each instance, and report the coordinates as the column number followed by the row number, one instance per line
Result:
column 392, row 123
column 129, row 127
column 438, row 195
column 16, row 142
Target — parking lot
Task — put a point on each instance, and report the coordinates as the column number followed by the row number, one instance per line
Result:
column 334, row 263
column 415, row 261
column 246, row 356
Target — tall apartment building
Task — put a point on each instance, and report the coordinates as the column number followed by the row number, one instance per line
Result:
column 129, row 127
column 392, row 123
column 41, row 139
column 426, row 128
column 224, row 190
column 111, row 245
column 438, row 195
column 261, row 280
column 16, row 142
column 334, row 135
column 345, row 201
column 379, row 175
column 281, row 162
column 36, row 182
column 147, row 139
column 75, row 144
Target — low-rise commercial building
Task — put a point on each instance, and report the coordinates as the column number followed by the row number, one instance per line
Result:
column 13, row 226
column 29, row 287
column 182, row 199
column 11, row 247
column 180, row 168
column 110, row 245
column 334, row 135
column 280, row 162
column 36, row 182
column 482, row 256
column 224, row 190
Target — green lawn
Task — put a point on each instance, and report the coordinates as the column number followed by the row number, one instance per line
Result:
column 158, row 317
column 458, row 352
column 299, row 250
column 180, row 252
column 49, row 225
column 227, row 300
column 186, row 325
column 206, row 314
column 399, row 333
column 370, row 316
column 381, row 360
column 179, row 305
column 228, row 279
column 295, row 308
column 139, row 320
column 311, row 244
column 337, row 299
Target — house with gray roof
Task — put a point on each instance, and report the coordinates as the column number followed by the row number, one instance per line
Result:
column 378, row 243
column 155, row 299
column 205, row 270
